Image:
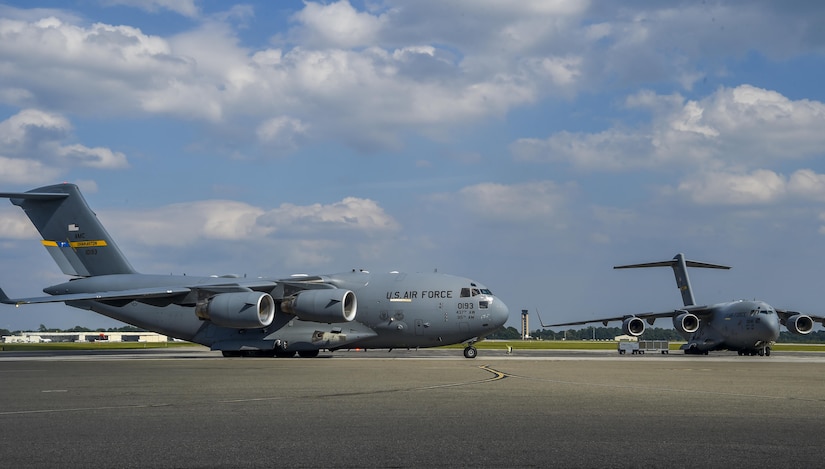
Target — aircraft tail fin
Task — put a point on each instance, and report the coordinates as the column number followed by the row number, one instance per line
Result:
column 71, row 232
column 679, row 265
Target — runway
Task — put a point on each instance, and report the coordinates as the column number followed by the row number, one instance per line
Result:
column 193, row 408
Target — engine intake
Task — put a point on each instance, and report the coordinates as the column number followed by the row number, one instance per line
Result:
column 239, row 310
column 326, row 305
column 633, row 326
column 686, row 323
column 800, row 324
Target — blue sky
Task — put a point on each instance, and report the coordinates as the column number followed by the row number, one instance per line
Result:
column 529, row 145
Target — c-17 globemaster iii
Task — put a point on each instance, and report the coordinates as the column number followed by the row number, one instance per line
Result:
column 749, row 327
column 258, row 317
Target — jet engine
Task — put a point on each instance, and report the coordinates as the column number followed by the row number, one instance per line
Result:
column 686, row 323
column 799, row 324
column 238, row 310
column 325, row 305
column 633, row 326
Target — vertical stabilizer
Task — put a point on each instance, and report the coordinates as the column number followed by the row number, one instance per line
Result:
column 679, row 265
column 71, row 232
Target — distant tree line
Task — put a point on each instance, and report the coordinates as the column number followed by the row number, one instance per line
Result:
column 651, row 333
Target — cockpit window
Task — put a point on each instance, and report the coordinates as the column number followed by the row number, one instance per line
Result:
column 470, row 292
column 485, row 297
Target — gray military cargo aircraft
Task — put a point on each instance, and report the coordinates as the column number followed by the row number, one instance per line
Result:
column 260, row 317
column 749, row 327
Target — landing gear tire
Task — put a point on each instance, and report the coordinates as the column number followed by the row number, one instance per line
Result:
column 231, row 353
column 767, row 351
column 308, row 353
column 761, row 352
column 470, row 352
column 284, row 354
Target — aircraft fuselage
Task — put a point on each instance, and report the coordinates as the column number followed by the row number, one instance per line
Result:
column 394, row 310
column 739, row 325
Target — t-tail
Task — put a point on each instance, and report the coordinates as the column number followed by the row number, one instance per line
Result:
column 679, row 265
column 71, row 232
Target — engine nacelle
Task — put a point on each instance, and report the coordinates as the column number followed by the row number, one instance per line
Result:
column 324, row 305
column 800, row 324
column 238, row 310
column 686, row 323
column 633, row 326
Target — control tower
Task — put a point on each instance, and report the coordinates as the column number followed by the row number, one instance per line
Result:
column 525, row 325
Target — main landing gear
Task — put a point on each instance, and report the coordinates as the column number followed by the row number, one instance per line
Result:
column 762, row 352
column 470, row 352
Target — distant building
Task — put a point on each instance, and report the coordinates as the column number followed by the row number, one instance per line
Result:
column 45, row 337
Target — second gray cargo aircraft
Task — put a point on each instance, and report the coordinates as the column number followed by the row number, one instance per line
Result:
column 749, row 327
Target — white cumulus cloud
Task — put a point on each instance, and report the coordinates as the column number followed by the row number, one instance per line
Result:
column 183, row 7
column 35, row 148
column 732, row 129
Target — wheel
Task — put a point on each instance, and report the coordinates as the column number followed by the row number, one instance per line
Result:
column 284, row 354
column 230, row 353
column 761, row 352
column 308, row 353
column 470, row 352
column 767, row 351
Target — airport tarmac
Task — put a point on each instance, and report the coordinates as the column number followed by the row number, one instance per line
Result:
column 417, row 408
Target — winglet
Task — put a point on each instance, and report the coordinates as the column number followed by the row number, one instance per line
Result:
column 5, row 298
column 679, row 265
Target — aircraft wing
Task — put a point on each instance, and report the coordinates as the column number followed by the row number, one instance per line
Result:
column 785, row 314
column 171, row 293
column 649, row 317
column 135, row 294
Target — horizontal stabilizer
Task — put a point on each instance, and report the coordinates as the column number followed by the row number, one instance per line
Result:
column 679, row 265
column 33, row 195
column 672, row 262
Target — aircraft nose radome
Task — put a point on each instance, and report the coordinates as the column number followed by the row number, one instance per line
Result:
column 771, row 325
column 500, row 312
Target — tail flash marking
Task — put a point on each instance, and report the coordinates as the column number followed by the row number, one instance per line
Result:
column 74, row 245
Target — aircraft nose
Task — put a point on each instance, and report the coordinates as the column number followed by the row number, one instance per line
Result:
column 770, row 325
column 499, row 313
